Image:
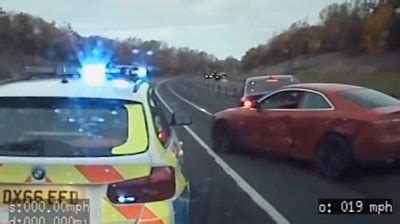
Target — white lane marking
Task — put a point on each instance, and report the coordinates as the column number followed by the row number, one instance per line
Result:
column 246, row 187
column 162, row 99
column 188, row 102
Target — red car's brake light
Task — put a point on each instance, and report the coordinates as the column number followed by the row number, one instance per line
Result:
column 160, row 185
column 248, row 103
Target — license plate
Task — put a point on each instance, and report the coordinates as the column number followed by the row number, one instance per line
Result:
column 45, row 204
column 48, row 194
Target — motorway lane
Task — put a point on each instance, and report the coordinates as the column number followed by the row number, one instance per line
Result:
column 215, row 197
column 292, row 187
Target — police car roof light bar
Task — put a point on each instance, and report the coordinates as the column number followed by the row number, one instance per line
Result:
column 135, row 74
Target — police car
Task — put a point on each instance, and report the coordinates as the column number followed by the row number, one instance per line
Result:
column 89, row 146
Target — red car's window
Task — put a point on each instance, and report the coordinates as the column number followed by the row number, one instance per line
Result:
column 314, row 101
column 369, row 98
column 283, row 100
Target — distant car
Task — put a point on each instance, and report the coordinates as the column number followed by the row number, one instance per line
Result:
column 259, row 86
column 224, row 75
column 220, row 76
column 208, row 76
column 216, row 76
column 333, row 125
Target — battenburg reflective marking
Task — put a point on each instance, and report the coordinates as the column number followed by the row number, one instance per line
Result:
column 74, row 174
column 137, row 134
column 98, row 174
column 153, row 213
column 161, row 209
column 109, row 213
column 14, row 173
column 130, row 211
column 129, row 172
column 65, row 174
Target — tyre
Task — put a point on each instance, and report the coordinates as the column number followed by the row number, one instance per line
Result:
column 222, row 142
column 334, row 157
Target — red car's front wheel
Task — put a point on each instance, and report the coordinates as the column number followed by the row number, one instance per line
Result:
column 221, row 138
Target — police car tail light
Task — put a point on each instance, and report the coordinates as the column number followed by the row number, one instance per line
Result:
column 160, row 185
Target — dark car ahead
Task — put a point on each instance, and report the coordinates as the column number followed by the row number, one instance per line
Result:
column 333, row 125
column 259, row 86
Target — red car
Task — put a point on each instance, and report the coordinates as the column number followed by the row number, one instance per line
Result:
column 334, row 125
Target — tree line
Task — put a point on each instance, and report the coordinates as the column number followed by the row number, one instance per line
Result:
column 29, row 36
column 353, row 27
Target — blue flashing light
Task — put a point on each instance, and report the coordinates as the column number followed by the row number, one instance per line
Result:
column 120, row 83
column 135, row 51
column 141, row 72
column 150, row 53
column 94, row 73
column 113, row 70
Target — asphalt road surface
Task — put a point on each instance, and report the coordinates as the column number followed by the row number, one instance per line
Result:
column 260, row 188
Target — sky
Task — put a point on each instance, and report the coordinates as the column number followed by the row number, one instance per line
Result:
column 219, row 27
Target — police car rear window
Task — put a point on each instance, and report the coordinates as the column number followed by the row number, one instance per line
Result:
column 61, row 127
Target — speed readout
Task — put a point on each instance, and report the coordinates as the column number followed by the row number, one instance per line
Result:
column 355, row 206
column 55, row 212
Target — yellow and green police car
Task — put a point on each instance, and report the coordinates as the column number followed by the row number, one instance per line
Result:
column 86, row 148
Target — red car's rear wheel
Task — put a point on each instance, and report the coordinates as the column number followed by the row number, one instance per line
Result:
column 334, row 156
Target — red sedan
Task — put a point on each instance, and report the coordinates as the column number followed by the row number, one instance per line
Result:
column 334, row 125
